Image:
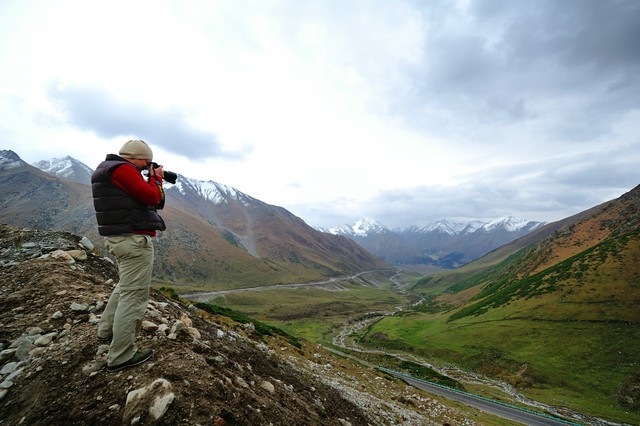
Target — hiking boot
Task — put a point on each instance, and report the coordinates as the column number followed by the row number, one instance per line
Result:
column 138, row 358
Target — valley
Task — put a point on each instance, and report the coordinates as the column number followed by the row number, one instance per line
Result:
column 314, row 314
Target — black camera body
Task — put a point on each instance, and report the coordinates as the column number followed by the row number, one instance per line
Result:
column 168, row 176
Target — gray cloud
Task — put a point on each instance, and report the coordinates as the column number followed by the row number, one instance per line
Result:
column 557, row 189
column 562, row 61
column 96, row 110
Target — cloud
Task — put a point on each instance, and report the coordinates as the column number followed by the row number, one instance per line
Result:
column 544, row 63
column 549, row 191
column 93, row 109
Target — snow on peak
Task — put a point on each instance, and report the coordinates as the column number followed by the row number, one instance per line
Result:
column 9, row 160
column 366, row 225
column 508, row 223
column 64, row 167
column 445, row 226
column 361, row 228
column 214, row 192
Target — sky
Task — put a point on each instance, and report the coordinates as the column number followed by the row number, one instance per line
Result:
column 407, row 112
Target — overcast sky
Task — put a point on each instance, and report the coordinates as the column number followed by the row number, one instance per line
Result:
column 403, row 111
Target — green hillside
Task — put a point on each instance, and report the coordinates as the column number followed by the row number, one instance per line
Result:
column 558, row 319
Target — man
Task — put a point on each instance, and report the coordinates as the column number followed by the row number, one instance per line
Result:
column 125, row 207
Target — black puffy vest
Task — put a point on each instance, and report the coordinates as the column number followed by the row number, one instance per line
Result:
column 116, row 211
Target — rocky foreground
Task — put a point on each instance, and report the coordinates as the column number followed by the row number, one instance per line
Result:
column 207, row 369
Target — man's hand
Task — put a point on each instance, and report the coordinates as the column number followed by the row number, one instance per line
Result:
column 156, row 172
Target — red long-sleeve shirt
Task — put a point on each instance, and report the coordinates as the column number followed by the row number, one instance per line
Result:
column 131, row 181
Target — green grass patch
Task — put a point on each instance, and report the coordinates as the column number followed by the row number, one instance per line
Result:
column 580, row 365
column 261, row 328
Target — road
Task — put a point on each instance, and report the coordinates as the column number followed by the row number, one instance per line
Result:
column 208, row 295
column 493, row 407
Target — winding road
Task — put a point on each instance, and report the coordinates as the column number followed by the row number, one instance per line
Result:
column 208, row 295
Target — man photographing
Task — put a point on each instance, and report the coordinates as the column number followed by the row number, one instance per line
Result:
column 126, row 210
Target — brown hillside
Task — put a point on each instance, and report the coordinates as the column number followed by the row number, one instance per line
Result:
column 584, row 270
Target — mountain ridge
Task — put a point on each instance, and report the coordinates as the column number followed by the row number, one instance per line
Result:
column 67, row 168
column 444, row 243
column 216, row 235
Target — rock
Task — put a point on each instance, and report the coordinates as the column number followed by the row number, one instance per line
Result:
column 56, row 315
column 32, row 331
column 181, row 326
column 94, row 366
column 9, row 367
column 46, row 339
column 149, row 326
column 163, row 328
column 23, row 346
column 186, row 320
column 63, row 255
column 3, row 393
column 161, row 405
column 178, row 327
column 194, row 332
column 241, row 382
column 151, row 401
column 7, row 354
column 79, row 255
column 13, row 375
column 36, row 352
column 268, row 387
column 86, row 243
column 79, row 307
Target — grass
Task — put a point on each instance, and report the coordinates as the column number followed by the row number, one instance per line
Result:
column 261, row 328
column 574, row 364
column 313, row 313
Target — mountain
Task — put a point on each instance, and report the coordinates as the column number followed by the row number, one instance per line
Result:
column 444, row 243
column 590, row 260
column 216, row 235
column 211, row 366
column 32, row 198
column 67, row 168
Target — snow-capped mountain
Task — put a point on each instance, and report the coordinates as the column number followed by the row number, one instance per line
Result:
column 511, row 224
column 67, row 168
column 214, row 192
column 10, row 160
column 444, row 243
column 362, row 228
column 444, row 226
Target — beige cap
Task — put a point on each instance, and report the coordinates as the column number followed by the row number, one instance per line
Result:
column 136, row 149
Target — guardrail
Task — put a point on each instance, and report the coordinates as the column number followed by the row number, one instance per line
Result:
column 493, row 401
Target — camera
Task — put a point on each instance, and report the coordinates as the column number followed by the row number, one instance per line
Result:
column 168, row 176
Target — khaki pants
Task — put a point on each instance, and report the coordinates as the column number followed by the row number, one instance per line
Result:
column 127, row 305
